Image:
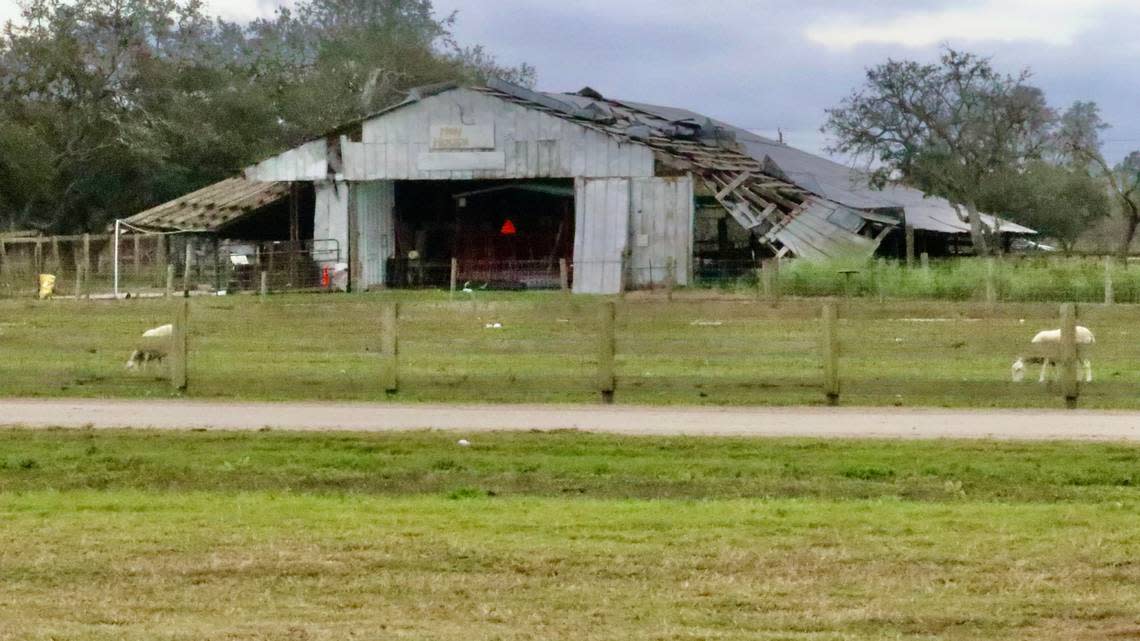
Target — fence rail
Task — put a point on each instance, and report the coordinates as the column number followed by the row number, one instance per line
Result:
column 565, row 349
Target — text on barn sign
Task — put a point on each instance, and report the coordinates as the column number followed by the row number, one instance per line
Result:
column 451, row 137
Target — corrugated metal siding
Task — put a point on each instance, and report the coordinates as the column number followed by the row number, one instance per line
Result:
column 307, row 162
column 601, row 233
column 661, row 221
column 534, row 144
column 330, row 215
column 375, row 229
column 812, row 236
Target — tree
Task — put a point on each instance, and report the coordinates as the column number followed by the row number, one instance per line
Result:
column 1059, row 202
column 1079, row 142
column 943, row 128
column 108, row 107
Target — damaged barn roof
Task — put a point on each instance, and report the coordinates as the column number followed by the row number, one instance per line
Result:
column 788, row 217
column 212, row 207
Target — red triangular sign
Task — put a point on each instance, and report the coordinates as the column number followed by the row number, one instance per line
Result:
column 508, row 228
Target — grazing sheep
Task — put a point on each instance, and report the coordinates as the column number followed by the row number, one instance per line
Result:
column 1048, row 345
column 153, row 347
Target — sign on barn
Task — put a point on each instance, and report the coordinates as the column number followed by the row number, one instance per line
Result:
column 455, row 137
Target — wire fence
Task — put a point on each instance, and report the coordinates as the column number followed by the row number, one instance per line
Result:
column 554, row 349
column 157, row 264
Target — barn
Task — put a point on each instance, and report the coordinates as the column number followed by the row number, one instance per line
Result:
column 511, row 183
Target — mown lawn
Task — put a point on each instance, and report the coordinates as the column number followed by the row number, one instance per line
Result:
column 691, row 351
column 213, row 535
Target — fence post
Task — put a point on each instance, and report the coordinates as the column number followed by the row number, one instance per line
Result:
column 908, row 231
column 137, row 257
column 924, row 261
column 3, row 258
column 607, row 344
column 1069, row 386
column 454, row 277
column 178, row 345
column 880, row 279
column 263, row 286
column 186, row 266
column 670, row 277
column 765, row 279
column 169, row 281
column 1109, row 292
column 389, row 346
column 991, row 284
column 564, row 275
column 86, row 254
column 831, row 353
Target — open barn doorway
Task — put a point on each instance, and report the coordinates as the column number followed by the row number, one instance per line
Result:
column 503, row 234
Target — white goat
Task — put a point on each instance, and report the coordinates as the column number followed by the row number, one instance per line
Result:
column 1048, row 346
column 153, row 347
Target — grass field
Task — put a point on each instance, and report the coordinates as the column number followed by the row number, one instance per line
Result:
column 140, row 535
column 697, row 350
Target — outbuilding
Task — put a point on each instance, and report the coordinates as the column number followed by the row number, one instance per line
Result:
column 511, row 183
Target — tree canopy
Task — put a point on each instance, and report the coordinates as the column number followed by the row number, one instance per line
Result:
column 949, row 129
column 110, row 106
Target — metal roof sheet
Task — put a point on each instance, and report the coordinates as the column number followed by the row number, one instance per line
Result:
column 212, row 207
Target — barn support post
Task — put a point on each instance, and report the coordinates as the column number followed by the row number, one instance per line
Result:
column 178, row 345
column 389, row 347
column 830, row 352
column 1109, row 292
column 607, row 345
column 1069, row 386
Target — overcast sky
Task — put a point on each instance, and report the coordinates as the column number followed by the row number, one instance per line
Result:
column 777, row 64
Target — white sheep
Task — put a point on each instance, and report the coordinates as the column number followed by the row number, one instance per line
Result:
column 1048, row 344
column 153, row 348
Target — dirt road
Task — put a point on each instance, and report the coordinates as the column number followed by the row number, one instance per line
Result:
column 800, row 421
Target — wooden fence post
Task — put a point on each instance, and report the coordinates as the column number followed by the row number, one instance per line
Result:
column 137, row 257
column 178, row 345
column 1069, row 386
column 86, row 254
column 564, row 275
column 924, row 261
column 880, row 279
column 454, row 277
column 169, row 281
column 1109, row 292
column 991, row 284
column 830, row 351
column 607, row 345
column 263, row 286
column 764, row 275
column 186, row 266
column 670, row 277
column 3, row 258
column 908, row 231
column 389, row 346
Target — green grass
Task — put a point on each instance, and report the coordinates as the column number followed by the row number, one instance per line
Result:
column 205, row 535
column 1017, row 279
column 697, row 350
column 562, row 464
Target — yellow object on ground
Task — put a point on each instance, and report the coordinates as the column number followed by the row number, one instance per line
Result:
column 47, row 285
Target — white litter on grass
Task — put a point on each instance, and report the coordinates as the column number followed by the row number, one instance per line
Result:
column 706, row 323
column 463, row 442
column 493, row 326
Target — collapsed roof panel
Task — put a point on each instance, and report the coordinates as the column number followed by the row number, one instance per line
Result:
column 212, row 207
